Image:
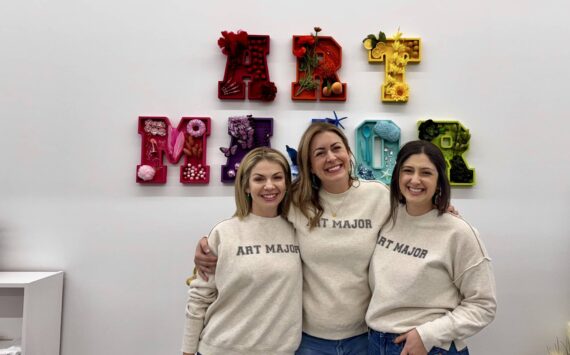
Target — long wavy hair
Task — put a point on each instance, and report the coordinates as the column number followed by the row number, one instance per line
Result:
column 243, row 202
column 442, row 194
column 305, row 189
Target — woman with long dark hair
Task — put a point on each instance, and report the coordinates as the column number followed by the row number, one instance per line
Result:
column 431, row 277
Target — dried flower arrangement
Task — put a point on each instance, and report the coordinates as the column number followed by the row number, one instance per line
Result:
column 397, row 52
column 318, row 60
column 246, row 132
column 306, row 50
column 160, row 139
column 246, row 59
column 453, row 140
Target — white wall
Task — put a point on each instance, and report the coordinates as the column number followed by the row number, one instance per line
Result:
column 75, row 75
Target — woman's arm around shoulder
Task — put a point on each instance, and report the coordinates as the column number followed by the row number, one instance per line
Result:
column 201, row 294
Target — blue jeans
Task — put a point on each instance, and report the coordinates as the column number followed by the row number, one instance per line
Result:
column 383, row 344
column 310, row 345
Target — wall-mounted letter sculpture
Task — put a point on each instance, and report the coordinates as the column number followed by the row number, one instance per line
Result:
column 318, row 60
column 160, row 138
column 396, row 53
column 246, row 133
column 336, row 121
column 453, row 140
column 247, row 59
column 377, row 145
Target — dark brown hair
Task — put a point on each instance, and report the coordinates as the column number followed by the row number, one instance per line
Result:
column 443, row 191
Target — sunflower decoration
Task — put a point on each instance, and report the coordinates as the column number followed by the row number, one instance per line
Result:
column 396, row 63
column 395, row 52
column 399, row 91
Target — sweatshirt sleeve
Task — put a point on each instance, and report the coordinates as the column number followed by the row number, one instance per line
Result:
column 201, row 294
column 476, row 285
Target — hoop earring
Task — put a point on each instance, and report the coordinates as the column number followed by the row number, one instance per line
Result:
column 437, row 197
column 314, row 182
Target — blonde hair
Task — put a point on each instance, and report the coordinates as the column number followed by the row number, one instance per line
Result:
column 243, row 203
column 305, row 189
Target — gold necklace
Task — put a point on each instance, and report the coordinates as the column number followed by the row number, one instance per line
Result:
column 334, row 211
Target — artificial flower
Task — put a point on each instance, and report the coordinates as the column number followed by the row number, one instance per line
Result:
column 231, row 43
column 240, row 128
column 399, row 92
column 459, row 172
column 395, row 69
column 300, row 52
column 429, row 130
column 397, row 46
column 305, row 50
column 268, row 91
column 398, row 35
column 401, row 61
column 308, row 40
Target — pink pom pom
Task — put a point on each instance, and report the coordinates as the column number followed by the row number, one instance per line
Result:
column 146, row 172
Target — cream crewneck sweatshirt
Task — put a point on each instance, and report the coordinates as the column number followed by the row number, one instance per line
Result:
column 252, row 305
column 431, row 273
column 336, row 255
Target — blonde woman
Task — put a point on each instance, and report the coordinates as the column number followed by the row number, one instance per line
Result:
column 253, row 304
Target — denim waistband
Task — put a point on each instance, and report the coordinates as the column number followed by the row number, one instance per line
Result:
column 383, row 335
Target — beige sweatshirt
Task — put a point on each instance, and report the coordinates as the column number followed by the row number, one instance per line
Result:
column 431, row 273
column 252, row 305
column 336, row 255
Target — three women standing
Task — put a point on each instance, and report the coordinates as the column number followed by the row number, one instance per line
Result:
column 338, row 219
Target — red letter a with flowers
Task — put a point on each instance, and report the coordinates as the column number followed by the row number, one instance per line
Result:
column 247, row 59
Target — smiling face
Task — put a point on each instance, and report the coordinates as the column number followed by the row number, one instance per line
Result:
column 330, row 161
column 418, row 183
column 267, row 186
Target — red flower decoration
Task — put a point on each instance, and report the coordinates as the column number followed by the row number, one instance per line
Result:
column 231, row 42
column 299, row 52
column 309, row 40
column 268, row 91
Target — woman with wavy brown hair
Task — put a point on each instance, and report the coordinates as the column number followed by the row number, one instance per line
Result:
column 337, row 218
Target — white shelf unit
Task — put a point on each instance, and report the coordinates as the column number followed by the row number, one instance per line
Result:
column 30, row 310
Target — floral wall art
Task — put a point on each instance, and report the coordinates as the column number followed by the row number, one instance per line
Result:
column 160, row 139
column 246, row 133
column 395, row 52
column 318, row 60
column 246, row 59
column 453, row 139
